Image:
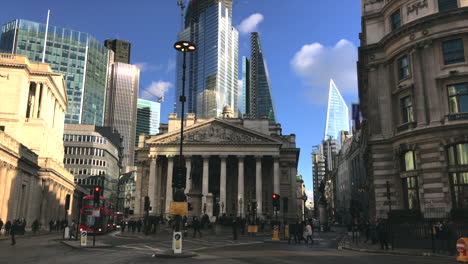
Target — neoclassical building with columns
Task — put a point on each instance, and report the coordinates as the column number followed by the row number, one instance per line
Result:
column 33, row 181
column 232, row 164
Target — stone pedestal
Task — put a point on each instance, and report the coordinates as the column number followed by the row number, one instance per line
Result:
column 195, row 199
column 209, row 205
column 323, row 216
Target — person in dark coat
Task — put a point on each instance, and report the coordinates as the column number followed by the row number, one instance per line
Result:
column 1, row 225
column 35, row 226
column 51, row 225
column 139, row 224
column 196, row 226
column 299, row 232
column 7, row 228
column 382, row 234
column 14, row 229
column 234, row 228
column 292, row 233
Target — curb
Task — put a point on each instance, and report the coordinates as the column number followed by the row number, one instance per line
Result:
column 170, row 254
column 87, row 247
column 390, row 252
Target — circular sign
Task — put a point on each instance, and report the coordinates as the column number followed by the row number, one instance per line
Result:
column 177, row 236
column 84, row 233
column 461, row 246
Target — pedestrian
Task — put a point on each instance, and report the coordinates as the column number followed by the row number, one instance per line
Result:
column 139, row 224
column 1, row 226
column 382, row 235
column 292, row 233
column 14, row 229
column 234, row 229
column 51, row 225
column 35, row 226
column 441, row 237
column 122, row 226
column 72, row 230
column 7, row 228
column 367, row 230
column 309, row 233
column 299, row 232
column 196, row 226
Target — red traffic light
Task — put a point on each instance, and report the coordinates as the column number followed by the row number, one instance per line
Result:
column 274, row 196
column 97, row 189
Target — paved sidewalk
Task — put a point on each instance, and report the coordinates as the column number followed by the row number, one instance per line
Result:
column 77, row 244
column 346, row 243
column 31, row 235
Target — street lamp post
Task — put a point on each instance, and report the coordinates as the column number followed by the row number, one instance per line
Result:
column 179, row 196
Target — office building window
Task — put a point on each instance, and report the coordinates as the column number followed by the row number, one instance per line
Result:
column 453, row 51
column 458, row 98
column 407, row 161
column 403, row 67
column 410, row 189
column 458, row 156
column 445, row 5
column 395, row 19
column 407, row 110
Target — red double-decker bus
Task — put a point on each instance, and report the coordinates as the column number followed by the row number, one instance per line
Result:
column 103, row 223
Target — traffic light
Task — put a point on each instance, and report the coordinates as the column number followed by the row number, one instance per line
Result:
column 97, row 194
column 147, row 203
column 276, row 201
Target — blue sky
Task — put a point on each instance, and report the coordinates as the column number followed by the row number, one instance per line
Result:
column 305, row 43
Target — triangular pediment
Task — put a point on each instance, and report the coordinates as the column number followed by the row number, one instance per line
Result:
column 215, row 131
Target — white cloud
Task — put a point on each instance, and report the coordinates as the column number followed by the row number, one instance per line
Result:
column 250, row 24
column 171, row 64
column 146, row 67
column 310, row 195
column 316, row 64
column 156, row 90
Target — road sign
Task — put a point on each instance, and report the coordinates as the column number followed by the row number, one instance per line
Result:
column 252, row 229
column 177, row 242
column 84, row 238
column 96, row 212
column 462, row 243
column 178, row 208
column 275, row 233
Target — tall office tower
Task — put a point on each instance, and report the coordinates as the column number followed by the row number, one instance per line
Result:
column 121, row 104
column 244, row 100
column 256, row 83
column 212, row 70
column 148, row 118
column 121, row 49
column 77, row 55
column 337, row 114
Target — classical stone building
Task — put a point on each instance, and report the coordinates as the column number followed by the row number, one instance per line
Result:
column 233, row 163
column 413, row 88
column 33, row 181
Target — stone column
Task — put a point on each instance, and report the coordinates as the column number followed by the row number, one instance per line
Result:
column 11, row 174
column 240, row 187
column 36, row 101
column 258, row 184
column 276, row 179
column 3, row 178
column 188, row 179
column 170, row 168
column 152, row 183
column 222, row 184
column 206, row 167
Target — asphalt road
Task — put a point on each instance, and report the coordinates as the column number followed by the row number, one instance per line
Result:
column 210, row 249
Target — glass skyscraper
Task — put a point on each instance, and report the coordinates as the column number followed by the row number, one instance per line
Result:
column 256, row 84
column 78, row 56
column 337, row 114
column 121, row 105
column 148, row 118
column 212, row 70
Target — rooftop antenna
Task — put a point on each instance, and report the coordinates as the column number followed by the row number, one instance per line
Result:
column 45, row 37
column 182, row 7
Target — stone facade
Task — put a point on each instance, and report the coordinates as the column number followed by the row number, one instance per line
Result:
column 33, row 181
column 412, row 70
column 230, row 162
